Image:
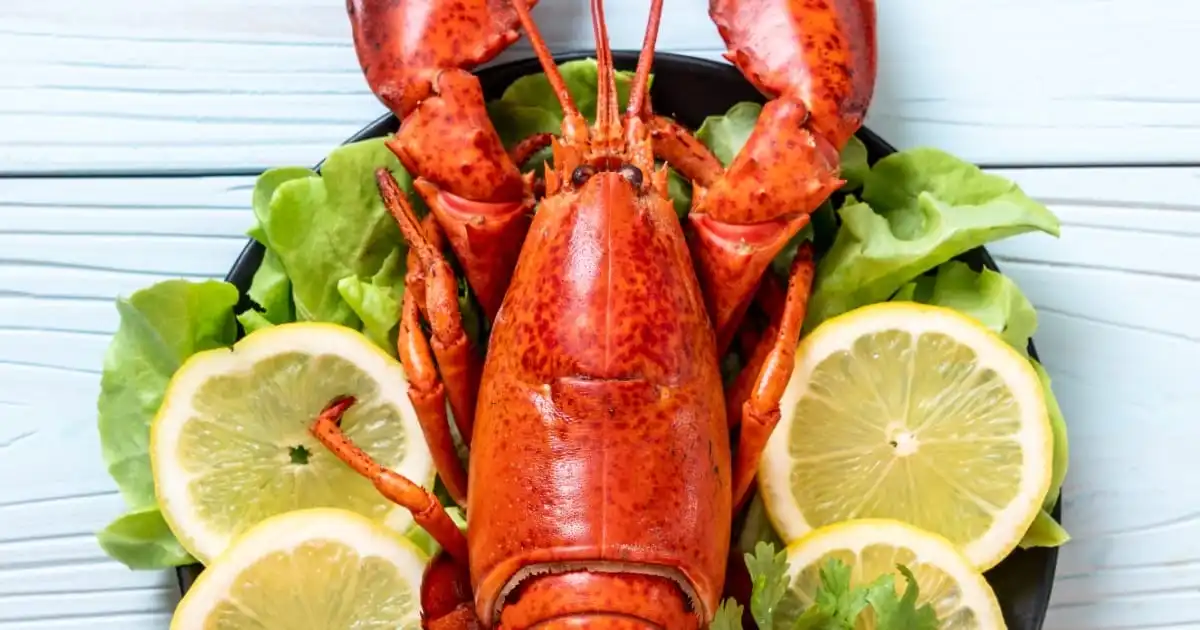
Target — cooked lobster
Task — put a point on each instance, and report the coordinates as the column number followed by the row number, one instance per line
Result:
column 602, row 482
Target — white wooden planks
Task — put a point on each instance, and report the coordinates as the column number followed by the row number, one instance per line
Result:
column 67, row 248
column 1115, row 294
column 169, row 85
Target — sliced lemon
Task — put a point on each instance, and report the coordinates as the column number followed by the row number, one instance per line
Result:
column 916, row 413
column 230, row 445
column 957, row 592
column 318, row 569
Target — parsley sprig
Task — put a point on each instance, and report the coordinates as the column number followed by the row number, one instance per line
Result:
column 837, row 604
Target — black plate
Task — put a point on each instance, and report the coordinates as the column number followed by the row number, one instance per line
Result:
column 689, row 90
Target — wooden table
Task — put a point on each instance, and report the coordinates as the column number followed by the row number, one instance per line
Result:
column 131, row 132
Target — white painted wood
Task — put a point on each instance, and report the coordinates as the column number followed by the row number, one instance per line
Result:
column 1116, row 295
column 137, row 85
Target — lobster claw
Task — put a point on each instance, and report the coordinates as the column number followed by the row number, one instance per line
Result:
column 817, row 61
column 820, row 54
column 417, row 57
column 402, row 46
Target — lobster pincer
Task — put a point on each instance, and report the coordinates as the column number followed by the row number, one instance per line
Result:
column 816, row 61
column 417, row 58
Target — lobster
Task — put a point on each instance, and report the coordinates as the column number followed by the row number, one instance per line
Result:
column 602, row 478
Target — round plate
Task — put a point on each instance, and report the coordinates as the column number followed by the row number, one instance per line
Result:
column 690, row 90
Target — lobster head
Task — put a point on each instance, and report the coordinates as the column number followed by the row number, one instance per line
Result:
column 614, row 154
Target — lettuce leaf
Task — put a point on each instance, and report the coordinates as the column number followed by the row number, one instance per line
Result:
column 533, row 91
column 141, row 539
column 920, row 208
column 529, row 106
column 726, row 134
column 332, row 245
column 264, row 189
column 854, row 164
column 997, row 302
column 376, row 301
column 270, row 290
column 161, row 326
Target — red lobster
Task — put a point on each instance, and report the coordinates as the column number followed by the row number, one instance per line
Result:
column 602, row 478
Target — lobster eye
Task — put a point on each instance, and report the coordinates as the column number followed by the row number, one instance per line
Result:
column 632, row 174
column 581, row 175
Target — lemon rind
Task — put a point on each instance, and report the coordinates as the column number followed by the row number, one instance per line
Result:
column 287, row 531
column 170, row 480
column 929, row 548
column 1036, row 435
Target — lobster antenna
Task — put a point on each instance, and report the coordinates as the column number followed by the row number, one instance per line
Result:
column 606, row 97
column 638, row 98
column 546, row 59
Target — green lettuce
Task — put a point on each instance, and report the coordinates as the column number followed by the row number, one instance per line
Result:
column 920, row 208
column 141, row 539
column 997, row 302
column 726, row 134
column 270, row 290
column 376, row 300
column 334, row 252
column 514, row 113
column 529, row 106
column 161, row 326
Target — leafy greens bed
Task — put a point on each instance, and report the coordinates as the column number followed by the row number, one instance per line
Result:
column 335, row 255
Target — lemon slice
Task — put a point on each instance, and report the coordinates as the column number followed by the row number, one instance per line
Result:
column 915, row 413
column 318, row 569
column 230, row 445
column 957, row 592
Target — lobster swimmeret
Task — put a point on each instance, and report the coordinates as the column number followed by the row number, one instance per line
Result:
column 602, row 478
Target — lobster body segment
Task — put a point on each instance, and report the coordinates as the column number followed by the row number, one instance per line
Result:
column 602, row 483
column 603, row 408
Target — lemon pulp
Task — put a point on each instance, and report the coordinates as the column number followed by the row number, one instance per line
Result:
column 915, row 413
column 231, row 444
column 316, row 569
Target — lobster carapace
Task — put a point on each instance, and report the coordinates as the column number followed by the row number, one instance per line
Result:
column 602, row 479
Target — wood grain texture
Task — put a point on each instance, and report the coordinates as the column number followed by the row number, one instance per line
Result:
column 172, row 85
column 1116, row 295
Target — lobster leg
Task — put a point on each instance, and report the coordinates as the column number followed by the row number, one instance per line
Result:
column 756, row 346
column 457, row 359
column 523, row 150
column 428, row 397
column 426, row 510
column 761, row 412
column 675, row 144
column 446, row 602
